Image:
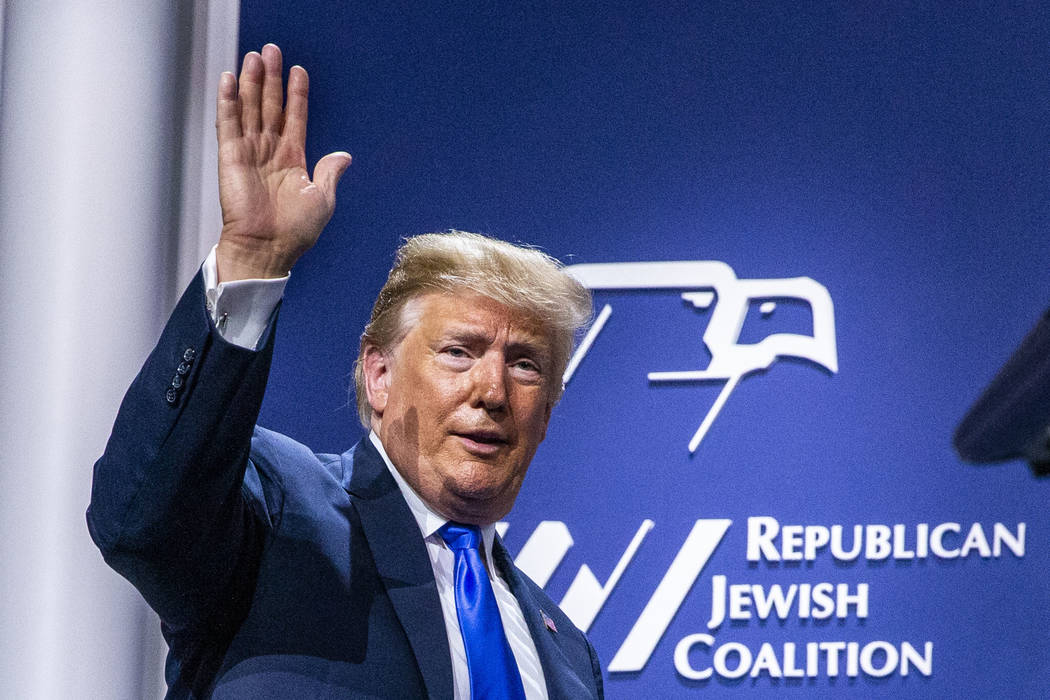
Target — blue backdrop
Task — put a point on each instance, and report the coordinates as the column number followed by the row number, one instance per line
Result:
column 894, row 154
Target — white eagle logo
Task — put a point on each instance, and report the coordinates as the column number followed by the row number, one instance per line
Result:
column 711, row 281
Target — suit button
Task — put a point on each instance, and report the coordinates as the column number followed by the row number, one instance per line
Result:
column 183, row 369
column 171, row 396
column 176, row 381
column 189, row 354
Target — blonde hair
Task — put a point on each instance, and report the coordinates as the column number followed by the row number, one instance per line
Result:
column 523, row 279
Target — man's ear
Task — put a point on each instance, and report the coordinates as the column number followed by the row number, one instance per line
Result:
column 377, row 379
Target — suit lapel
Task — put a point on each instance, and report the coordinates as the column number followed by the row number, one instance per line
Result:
column 402, row 562
column 552, row 656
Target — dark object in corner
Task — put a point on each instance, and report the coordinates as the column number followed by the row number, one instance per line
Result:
column 1011, row 419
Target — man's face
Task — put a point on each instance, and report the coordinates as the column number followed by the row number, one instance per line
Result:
column 462, row 402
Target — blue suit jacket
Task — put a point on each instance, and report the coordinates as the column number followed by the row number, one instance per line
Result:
column 278, row 572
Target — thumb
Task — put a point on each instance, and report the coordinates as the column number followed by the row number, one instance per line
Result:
column 328, row 171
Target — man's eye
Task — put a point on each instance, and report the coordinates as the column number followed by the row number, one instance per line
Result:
column 527, row 365
column 456, row 352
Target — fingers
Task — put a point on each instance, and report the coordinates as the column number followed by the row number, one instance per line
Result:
column 272, row 90
column 295, row 110
column 328, row 171
column 255, row 101
column 227, row 109
column 251, row 83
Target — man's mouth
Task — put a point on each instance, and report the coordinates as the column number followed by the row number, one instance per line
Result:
column 481, row 442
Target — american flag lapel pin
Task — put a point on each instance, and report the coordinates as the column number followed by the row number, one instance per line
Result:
column 548, row 622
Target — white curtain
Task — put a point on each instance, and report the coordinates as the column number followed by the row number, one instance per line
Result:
column 106, row 208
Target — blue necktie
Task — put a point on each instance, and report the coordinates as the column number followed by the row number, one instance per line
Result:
column 493, row 671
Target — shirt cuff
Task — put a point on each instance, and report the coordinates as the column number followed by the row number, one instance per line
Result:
column 242, row 309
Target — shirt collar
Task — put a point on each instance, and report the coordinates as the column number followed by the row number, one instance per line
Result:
column 428, row 520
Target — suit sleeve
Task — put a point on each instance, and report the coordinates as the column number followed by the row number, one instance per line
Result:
column 169, row 507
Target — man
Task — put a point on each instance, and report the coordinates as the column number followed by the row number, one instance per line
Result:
column 280, row 573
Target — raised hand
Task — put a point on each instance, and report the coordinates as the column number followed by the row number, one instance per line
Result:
column 272, row 212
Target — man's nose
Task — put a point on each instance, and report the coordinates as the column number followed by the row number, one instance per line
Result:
column 489, row 383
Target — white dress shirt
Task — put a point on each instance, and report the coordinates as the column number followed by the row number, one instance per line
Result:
column 241, row 311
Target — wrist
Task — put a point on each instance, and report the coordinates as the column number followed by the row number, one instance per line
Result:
column 235, row 262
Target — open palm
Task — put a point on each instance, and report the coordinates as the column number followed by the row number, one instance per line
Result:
column 272, row 211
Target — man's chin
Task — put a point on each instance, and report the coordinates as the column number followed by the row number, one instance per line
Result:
column 478, row 504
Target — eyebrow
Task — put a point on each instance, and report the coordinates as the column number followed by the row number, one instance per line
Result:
column 530, row 345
